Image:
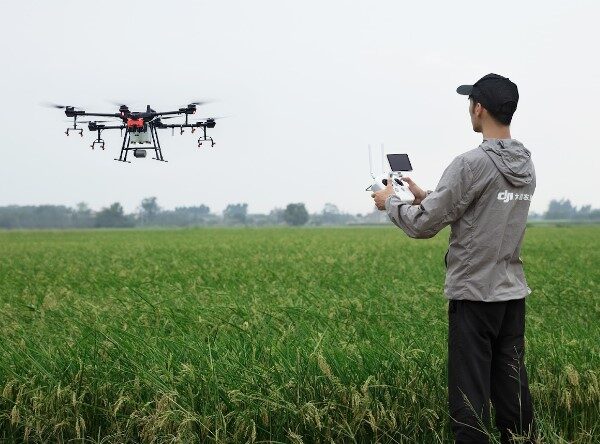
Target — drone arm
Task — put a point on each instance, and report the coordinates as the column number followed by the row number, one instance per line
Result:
column 95, row 127
column 100, row 114
column 168, row 113
column 182, row 125
column 190, row 109
column 112, row 127
column 172, row 113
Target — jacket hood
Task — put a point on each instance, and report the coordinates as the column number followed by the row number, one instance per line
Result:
column 511, row 158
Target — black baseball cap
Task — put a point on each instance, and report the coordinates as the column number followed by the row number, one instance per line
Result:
column 497, row 94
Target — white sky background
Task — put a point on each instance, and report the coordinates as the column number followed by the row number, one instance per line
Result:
column 307, row 85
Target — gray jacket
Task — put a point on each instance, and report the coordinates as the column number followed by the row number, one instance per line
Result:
column 484, row 195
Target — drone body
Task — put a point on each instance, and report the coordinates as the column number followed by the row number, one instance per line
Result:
column 140, row 128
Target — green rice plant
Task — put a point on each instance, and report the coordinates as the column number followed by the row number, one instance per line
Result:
column 270, row 335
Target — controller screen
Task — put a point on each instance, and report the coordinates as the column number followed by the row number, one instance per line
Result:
column 399, row 162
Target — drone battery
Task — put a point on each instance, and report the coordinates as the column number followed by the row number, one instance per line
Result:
column 139, row 153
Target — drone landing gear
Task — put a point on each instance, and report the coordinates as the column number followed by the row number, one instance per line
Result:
column 76, row 130
column 204, row 138
column 201, row 140
column 157, row 151
column 124, row 148
column 98, row 141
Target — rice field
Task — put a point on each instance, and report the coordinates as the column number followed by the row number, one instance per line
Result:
column 270, row 335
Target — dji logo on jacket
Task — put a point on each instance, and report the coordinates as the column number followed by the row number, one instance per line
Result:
column 506, row 196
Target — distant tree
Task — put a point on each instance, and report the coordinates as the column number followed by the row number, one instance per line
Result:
column 374, row 217
column 295, row 214
column 51, row 216
column 534, row 216
column 330, row 214
column 83, row 216
column 560, row 209
column 184, row 216
column 236, row 213
column 584, row 212
column 199, row 211
column 32, row 216
column 112, row 217
column 192, row 215
column 148, row 211
column 83, row 208
column 330, row 208
column 10, row 217
column 258, row 219
column 276, row 216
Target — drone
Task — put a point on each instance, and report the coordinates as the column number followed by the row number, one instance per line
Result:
column 140, row 128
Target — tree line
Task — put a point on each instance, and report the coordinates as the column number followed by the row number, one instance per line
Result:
column 150, row 214
column 564, row 210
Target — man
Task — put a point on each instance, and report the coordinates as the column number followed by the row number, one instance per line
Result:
column 484, row 196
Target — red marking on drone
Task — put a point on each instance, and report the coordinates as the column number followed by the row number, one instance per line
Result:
column 135, row 123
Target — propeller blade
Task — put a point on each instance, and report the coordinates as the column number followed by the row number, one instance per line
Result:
column 204, row 119
column 95, row 121
column 118, row 103
column 201, row 102
column 56, row 105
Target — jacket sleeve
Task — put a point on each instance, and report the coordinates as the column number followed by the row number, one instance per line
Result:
column 452, row 196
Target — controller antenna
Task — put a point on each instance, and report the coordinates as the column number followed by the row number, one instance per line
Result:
column 371, row 162
column 383, row 168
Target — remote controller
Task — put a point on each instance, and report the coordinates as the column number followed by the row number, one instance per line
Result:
column 400, row 188
column 398, row 164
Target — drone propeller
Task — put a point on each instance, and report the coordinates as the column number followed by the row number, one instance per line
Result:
column 117, row 102
column 200, row 102
column 204, row 119
column 122, row 107
column 97, row 121
column 56, row 105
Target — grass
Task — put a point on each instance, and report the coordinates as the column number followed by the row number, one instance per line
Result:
column 270, row 335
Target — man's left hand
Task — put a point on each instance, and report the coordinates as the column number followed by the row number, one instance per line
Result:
column 381, row 196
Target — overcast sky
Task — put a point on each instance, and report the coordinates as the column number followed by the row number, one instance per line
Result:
column 307, row 86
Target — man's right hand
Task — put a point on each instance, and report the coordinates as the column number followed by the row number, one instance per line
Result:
column 415, row 189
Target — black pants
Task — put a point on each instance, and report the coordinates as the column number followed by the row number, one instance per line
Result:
column 485, row 362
